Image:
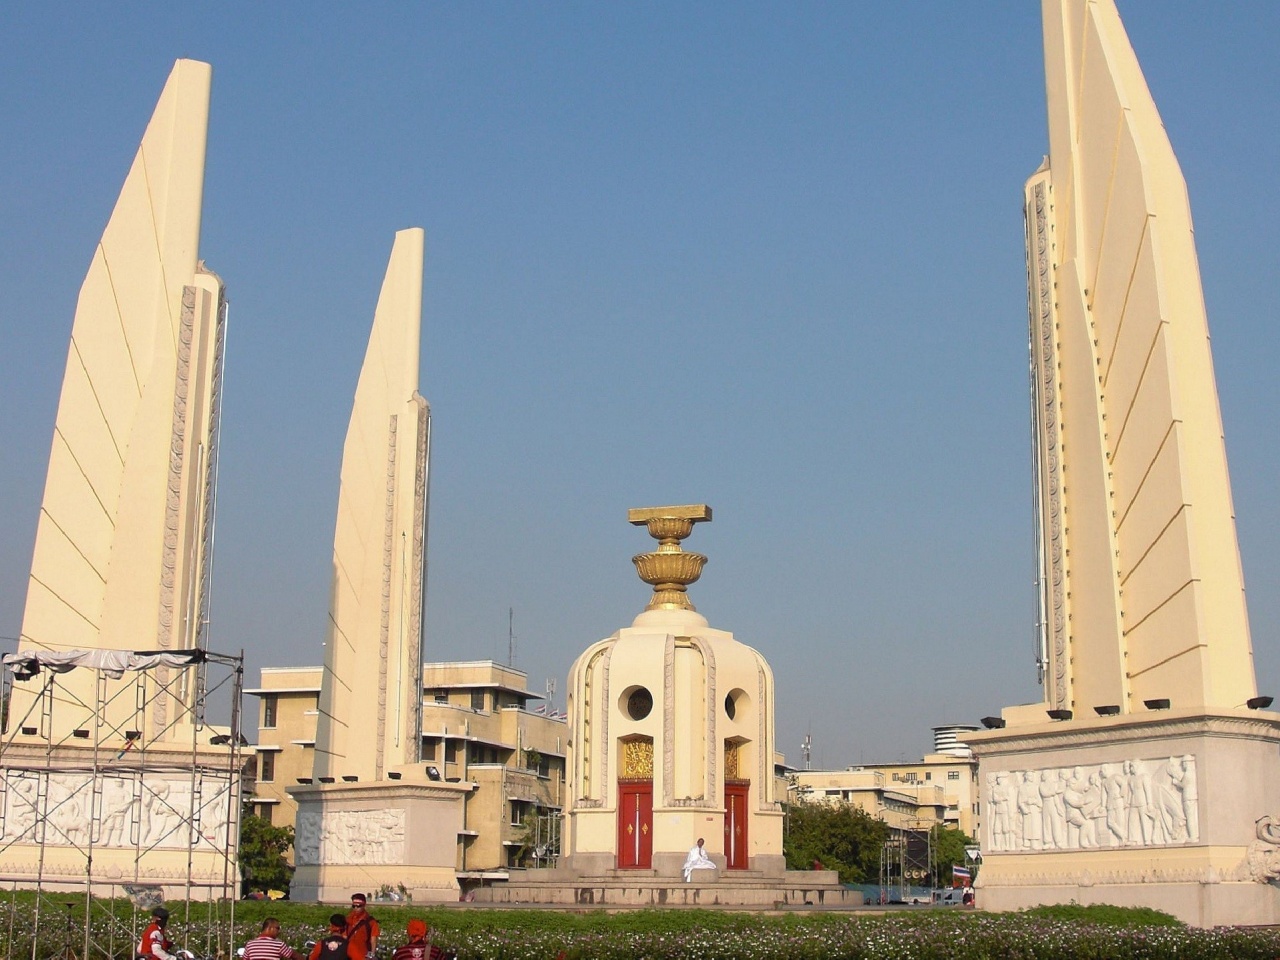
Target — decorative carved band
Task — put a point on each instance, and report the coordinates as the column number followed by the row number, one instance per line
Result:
column 1048, row 467
column 173, row 504
column 384, row 624
column 669, row 719
column 418, row 580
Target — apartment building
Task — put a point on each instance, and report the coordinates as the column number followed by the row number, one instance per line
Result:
column 477, row 727
column 941, row 787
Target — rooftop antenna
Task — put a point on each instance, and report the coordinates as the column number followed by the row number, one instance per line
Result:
column 806, row 749
column 511, row 637
column 551, row 695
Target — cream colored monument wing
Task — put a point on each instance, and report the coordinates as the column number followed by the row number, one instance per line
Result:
column 1143, row 593
column 371, row 692
column 120, row 558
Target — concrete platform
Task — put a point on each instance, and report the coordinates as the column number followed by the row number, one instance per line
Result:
column 646, row 888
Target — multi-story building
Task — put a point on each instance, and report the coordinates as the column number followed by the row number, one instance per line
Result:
column 476, row 728
column 941, row 788
column 289, row 701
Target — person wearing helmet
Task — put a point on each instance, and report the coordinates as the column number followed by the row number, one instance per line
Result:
column 155, row 943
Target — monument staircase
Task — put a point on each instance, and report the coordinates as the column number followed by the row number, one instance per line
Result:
column 652, row 888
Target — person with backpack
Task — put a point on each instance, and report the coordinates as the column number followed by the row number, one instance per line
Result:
column 333, row 945
column 155, row 943
column 362, row 929
column 418, row 947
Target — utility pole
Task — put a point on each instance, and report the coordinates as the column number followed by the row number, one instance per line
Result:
column 511, row 637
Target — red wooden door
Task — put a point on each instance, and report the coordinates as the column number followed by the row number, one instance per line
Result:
column 735, row 825
column 635, row 824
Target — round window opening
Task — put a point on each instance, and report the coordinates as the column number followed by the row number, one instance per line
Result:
column 735, row 700
column 639, row 703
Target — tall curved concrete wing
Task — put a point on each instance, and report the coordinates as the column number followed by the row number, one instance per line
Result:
column 1142, row 592
column 122, row 554
column 371, row 690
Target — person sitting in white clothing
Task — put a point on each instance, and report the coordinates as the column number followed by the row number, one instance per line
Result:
column 697, row 860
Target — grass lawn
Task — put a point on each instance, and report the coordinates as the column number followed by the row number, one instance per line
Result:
column 476, row 933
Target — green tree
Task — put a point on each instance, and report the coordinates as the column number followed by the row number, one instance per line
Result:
column 841, row 837
column 948, row 850
column 262, row 854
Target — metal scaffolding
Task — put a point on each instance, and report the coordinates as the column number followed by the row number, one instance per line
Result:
column 906, row 863
column 107, row 795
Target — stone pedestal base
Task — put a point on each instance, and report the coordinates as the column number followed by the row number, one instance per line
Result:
column 1200, row 904
column 356, row 837
column 160, row 816
column 1169, row 810
column 648, row 888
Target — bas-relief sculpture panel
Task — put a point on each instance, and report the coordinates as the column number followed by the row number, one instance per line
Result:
column 1130, row 803
column 153, row 813
column 350, row 836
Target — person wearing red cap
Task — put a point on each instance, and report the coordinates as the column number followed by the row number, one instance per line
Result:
column 362, row 929
column 418, row 947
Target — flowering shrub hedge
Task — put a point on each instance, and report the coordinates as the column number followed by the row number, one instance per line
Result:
column 481, row 934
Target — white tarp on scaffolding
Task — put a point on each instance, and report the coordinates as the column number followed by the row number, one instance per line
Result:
column 113, row 663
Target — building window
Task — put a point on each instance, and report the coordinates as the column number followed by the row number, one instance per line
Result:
column 267, row 771
column 953, row 774
column 451, row 751
column 517, row 812
column 928, row 775
column 264, row 811
column 477, row 699
column 440, row 696
column 269, row 705
column 896, row 777
column 480, row 753
column 639, row 703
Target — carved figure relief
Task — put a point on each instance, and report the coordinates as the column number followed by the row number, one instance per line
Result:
column 154, row 812
column 1137, row 803
column 350, row 836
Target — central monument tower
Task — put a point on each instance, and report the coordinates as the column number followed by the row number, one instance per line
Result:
column 671, row 742
column 672, row 726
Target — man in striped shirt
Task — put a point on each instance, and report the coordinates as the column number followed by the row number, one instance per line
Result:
column 268, row 946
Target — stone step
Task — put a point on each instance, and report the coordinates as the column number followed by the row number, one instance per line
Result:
column 656, row 893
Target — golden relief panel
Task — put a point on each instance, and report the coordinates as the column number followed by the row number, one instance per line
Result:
column 637, row 759
column 731, row 761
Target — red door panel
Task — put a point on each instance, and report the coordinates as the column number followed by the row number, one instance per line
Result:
column 735, row 825
column 635, row 825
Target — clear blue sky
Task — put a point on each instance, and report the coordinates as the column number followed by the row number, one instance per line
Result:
column 763, row 256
